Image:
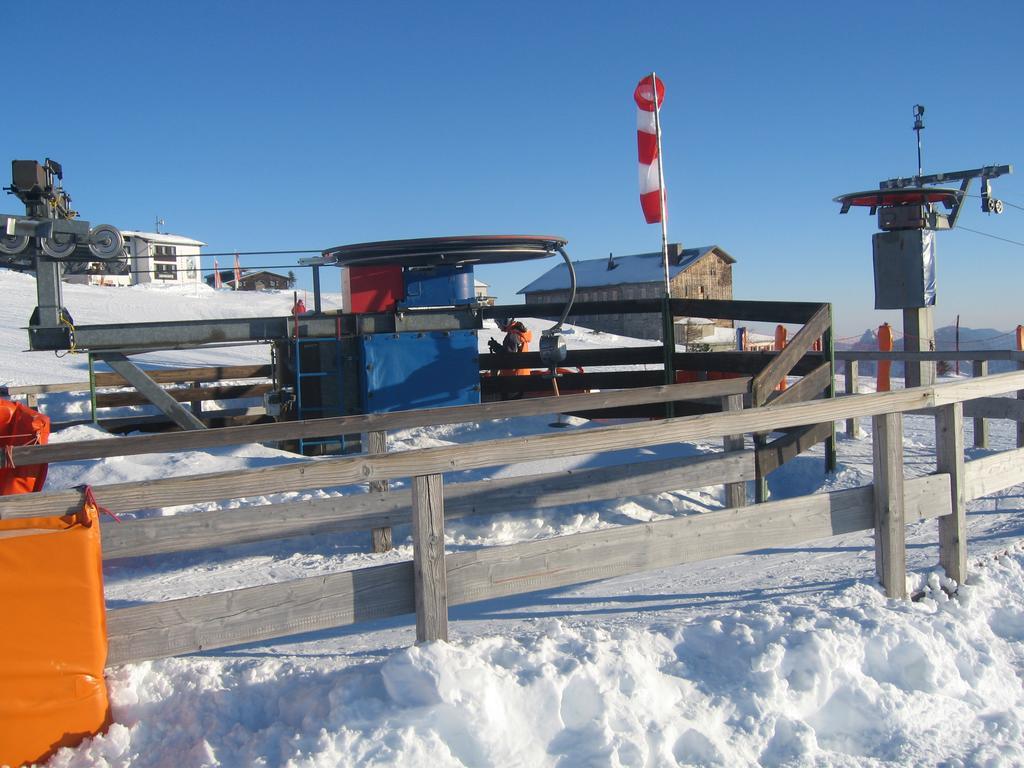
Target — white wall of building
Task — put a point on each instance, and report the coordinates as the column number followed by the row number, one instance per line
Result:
column 163, row 259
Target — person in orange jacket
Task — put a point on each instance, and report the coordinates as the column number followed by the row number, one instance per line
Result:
column 517, row 339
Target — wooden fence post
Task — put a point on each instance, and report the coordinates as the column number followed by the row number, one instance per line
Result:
column 949, row 454
column 980, row 368
column 377, row 443
column 890, row 527
column 431, row 582
column 852, row 387
column 735, row 493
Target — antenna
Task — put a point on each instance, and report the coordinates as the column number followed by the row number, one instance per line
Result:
column 159, row 223
column 918, row 127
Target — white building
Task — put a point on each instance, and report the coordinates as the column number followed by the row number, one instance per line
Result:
column 480, row 292
column 153, row 257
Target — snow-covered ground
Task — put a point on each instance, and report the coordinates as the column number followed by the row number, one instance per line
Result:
column 789, row 656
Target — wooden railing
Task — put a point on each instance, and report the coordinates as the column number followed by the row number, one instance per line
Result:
column 434, row 580
column 186, row 385
column 979, row 410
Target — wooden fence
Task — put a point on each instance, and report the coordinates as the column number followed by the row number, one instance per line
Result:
column 186, row 385
column 980, row 410
column 434, row 580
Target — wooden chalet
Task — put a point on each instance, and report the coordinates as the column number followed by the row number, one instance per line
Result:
column 694, row 273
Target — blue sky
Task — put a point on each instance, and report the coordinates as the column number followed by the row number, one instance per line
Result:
column 265, row 126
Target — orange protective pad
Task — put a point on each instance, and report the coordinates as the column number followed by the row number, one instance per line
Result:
column 53, row 641
column 20, row 425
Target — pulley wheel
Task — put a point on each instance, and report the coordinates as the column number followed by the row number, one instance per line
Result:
column 13, row 244
column 106, row 243
column 58, row 247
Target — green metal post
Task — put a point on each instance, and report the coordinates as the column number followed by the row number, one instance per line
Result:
column 668, row 335
column 92, row 390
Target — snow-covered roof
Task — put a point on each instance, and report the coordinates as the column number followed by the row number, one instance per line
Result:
column 161, row 237
column 634, row 268
column 480, row 284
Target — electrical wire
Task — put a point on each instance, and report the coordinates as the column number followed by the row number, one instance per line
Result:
column 994, row 237
column 262, row 253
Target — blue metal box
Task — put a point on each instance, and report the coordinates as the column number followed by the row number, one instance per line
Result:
column 444, row 286
column 429, row 369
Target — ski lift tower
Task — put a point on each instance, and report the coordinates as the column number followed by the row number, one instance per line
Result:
column 904, row 251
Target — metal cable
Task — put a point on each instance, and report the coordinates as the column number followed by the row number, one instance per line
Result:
column 572, row 293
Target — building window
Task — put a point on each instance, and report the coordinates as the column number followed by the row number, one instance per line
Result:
column 165, row 262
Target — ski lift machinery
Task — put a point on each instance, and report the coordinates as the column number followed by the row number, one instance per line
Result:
column 412, row 345
column 415, row 363
column 904, row 251
column 50, row 239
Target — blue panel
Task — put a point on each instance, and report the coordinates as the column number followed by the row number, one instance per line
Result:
column 442, row 286
column 403, row 371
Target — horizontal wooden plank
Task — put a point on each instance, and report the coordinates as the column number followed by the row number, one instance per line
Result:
column 962, row 390
column 160, row 376
column 185, row 375
column 346, row 471
column 732, row 361
column 992, row 474
column 219, row 620
column 806, row 388
column 185, row 395
column 980, row 354
column 152, row 424
column 259, row 433
column 491, row 385
column 219, row 528
column 786, row 448
column 994, row 408
column 499, row 571
column 650, row 411
column 255, row 614
column 751, row 311
column 741, row 362
column 748, row 311
column 650, row 355
column 48, row 389
column 326, row 473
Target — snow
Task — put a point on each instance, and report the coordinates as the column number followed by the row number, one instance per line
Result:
column 788, row 656
column 162, row 237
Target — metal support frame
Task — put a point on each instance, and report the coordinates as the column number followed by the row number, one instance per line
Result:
column 316, row 289
column 152, row 391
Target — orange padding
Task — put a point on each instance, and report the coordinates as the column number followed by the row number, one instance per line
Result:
column 20, row 425
column 53, row 641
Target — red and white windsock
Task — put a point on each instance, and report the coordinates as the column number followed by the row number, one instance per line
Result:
column 216, row 275
column 647, row 145
column 238, row 273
